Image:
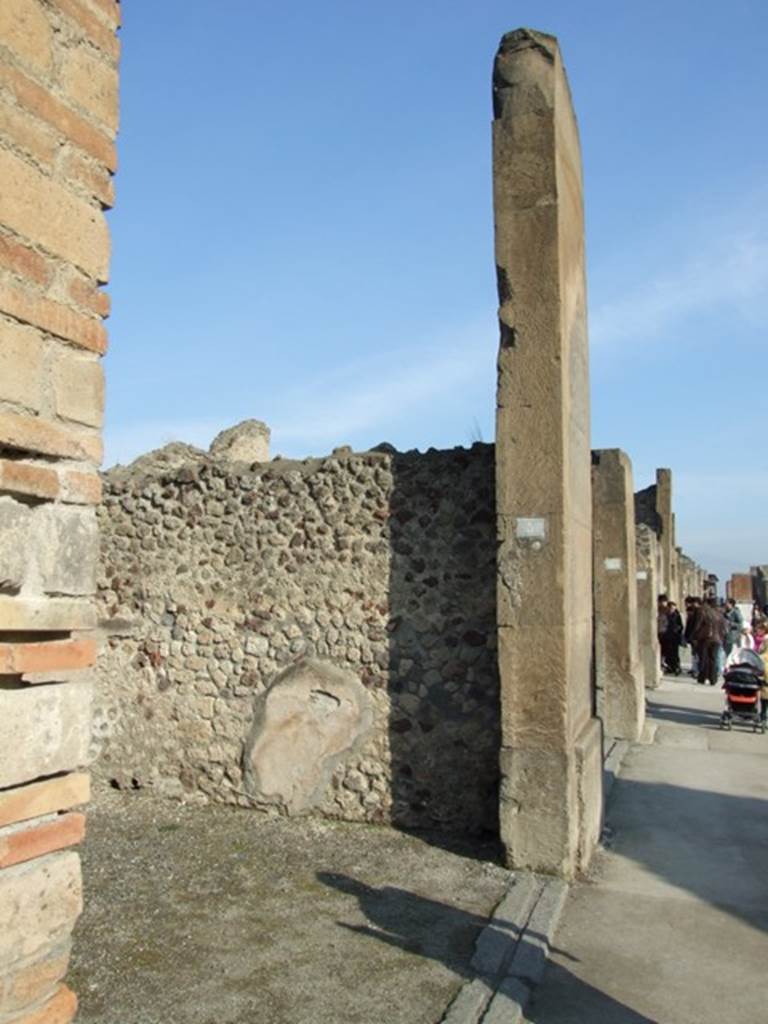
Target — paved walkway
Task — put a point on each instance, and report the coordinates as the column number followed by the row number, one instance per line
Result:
column 670, row 927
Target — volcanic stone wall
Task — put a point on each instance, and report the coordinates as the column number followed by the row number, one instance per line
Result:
column 218, row 579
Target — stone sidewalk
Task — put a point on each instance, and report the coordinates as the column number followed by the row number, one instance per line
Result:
column 670, row 926
column 212, row 915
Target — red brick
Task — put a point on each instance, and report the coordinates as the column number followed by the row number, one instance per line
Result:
column 84, row 293
column 33, row 434
column 52, row 317
column 35, row 982
column 80, row 488
column 95, row 29
column 38, row 798
column 39, row 101
column 25, row 262
column 93, row 177
column 21, row 478
column 17, row 658
column 60, row 1010
column 28, row 843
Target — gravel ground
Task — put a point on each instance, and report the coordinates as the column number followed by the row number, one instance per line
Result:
column 212, row 915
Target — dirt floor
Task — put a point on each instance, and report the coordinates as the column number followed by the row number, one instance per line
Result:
column 210, row 915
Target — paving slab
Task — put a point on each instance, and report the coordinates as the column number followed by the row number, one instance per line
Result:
column 670, row 925
column 212, row 915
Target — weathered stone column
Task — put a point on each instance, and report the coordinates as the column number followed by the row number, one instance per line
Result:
column 618, row 674
column 647, row 551
column 666, row 528
column 551, row 796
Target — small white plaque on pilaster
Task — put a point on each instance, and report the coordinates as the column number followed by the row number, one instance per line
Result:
column 612, row 564
column 531, row 529
column 642, row 574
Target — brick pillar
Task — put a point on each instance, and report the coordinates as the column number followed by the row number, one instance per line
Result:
column 618, row 673
column 58, row 119
column 551, row 795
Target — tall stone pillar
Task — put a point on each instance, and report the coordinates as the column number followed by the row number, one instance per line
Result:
column 618, row 674
column 551, row 795
column 666, row 527
column 647, row 552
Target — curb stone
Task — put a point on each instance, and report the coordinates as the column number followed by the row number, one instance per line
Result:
column 511, row 953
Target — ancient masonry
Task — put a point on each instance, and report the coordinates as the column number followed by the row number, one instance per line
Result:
column 58, row 118
column 441, row 640
column 304, row 635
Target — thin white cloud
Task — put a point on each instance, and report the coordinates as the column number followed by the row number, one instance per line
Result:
column 378, row 392
column 728, row 272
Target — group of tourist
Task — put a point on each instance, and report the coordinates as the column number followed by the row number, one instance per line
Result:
column 714, row 632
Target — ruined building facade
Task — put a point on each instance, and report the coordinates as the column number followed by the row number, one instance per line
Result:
column 372, row 636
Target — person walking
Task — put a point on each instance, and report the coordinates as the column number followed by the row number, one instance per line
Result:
column 709, row 636
column 671, row 640
column 734, row 625
column 692, row 612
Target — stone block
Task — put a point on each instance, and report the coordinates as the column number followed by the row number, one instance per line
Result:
column 49, row 615
column 53, row 317
column 245, row 442
column 21, row 365
column 90, row 175
column 49, row 796
column 307, row 721
column 39, row 904
column 92, row 84
column 34, row 983
column 34, row 434
column 35, row 839
column 40, row 209
column 38, row 141
column 43, row 730
column 15, row 525
column 66, row 544
column 97, row 33
column 25, row 29
column 40, row 102
column 78, row 388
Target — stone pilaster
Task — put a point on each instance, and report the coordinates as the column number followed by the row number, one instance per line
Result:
column 551, row 796
column 618, row 673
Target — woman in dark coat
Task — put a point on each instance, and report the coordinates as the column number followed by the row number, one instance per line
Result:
column 671, row 639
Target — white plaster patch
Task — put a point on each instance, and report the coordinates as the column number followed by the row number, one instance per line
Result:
column 612, row 564
column 642, row 574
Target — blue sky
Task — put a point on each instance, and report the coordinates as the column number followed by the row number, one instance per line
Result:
column 303, row 233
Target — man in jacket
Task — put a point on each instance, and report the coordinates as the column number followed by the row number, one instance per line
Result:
column 708, row 636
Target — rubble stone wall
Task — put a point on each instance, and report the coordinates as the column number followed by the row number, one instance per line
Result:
column 233, row 595
column 58, row 120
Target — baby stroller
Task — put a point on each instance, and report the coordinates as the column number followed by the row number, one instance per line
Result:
column 743, row 680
